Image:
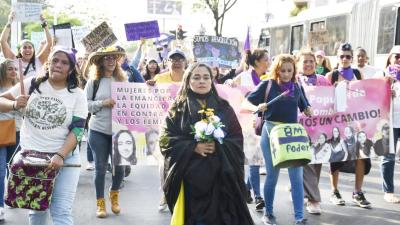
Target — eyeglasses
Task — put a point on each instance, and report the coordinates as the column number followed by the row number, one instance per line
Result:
column 397, row 56
column 345, row 56
column 109, row 58
column 176, row 60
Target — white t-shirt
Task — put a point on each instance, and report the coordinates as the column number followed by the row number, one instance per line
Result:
column 48, row 115
column 31, row 72
column 370, row 72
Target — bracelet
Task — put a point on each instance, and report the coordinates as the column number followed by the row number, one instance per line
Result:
column 61, row 156
column 44, row 24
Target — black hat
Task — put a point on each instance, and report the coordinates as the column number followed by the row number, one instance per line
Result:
column 345, row 47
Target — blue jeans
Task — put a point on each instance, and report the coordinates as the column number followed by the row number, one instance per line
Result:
column 253, row 180
column 6, row 153
column 101, row 145
column 387, row 172
column 89, row 153
column 295, row 175
column 63, row 196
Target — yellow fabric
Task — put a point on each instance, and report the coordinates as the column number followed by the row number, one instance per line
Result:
column 164, row 78
column 178, row 216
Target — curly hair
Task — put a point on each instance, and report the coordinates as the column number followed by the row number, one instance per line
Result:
column 277, row 65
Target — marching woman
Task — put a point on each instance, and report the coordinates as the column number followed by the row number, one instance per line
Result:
column 31, row 61
column 55, row 129
column 283, row 78
column 207, row 176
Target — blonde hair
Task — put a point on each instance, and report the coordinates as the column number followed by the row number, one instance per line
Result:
column 3, row 72
column 97, row 69
column 277, row 65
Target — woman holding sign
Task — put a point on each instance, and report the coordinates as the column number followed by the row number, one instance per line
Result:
column 104, row 70
column 31, row 62
column 284, row 110
column 308, row 77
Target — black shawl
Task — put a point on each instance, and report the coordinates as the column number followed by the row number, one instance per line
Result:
column 214, row 185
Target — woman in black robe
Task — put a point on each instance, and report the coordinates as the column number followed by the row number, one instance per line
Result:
column 212, row 173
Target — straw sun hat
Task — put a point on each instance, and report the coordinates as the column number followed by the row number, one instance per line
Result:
column 94, row 57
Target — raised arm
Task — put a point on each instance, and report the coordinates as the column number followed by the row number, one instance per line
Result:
column 5, row 47
column 45, row 51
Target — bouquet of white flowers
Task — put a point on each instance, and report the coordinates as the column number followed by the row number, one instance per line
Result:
column 209, row 128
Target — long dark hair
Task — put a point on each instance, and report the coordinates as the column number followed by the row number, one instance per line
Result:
column 185, row 87
column 367, row 145
column 72, row 78
column 256, row 55
column 32, row 59
column 147, row 75
column 117, row 156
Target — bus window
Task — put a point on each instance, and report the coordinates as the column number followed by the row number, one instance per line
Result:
column 296, row 38
column 387, row 23
column 337, row 33
column 317, row 26
column 280, row 40
column 263, row 42
column 397, row 38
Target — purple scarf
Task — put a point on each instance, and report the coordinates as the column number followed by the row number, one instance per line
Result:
column 347, row 73
column 395, row 70
column 254, row 76
column 284, row 86
column 310, row 80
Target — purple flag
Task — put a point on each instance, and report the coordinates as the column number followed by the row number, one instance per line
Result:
column 247, row 41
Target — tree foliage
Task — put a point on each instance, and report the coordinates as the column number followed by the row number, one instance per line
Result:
column 218, row 9
column 4, row 11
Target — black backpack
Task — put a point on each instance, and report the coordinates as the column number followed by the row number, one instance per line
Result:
column 335, row 75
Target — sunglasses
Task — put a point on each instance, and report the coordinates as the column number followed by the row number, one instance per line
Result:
column 345, row 56
column 176, row 60
column 109, row 58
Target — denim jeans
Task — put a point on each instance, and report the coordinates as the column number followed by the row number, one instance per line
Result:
column 387, row 172
column 89, row 153
column 295, row 175
column 101, row 145
column 63, row 196
column 253, row 180
column 6, row 153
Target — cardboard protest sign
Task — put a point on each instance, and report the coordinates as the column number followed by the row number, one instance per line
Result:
column 355, row 133
column 78, row 33
column 101, row 36
column 63, row 35
column 216, row 51
column 27, row 11
column 136, row 31
column 317, row 38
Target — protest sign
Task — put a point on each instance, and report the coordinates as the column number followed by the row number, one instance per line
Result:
column 63, row 35
column 27, row 11
column 355, row 133
column 216, row 51
column 136, row 31
column 101, row 36
column 318, row 38
column 36, row 38
column 78, row 33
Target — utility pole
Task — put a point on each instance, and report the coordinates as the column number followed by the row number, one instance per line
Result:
column 15, row 29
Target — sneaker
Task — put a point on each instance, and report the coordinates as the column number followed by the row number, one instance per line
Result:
column 268, row 219
column 1, row 213
column 301, row 222
column 163, row 204
column 336, row 198
column 360, row 200
column 90, row 166
column 249, row 199
column 313, row 208
column 259, row 204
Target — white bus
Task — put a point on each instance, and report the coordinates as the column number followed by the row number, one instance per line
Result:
column 371, row 24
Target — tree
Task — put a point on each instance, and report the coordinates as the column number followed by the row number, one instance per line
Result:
column 219, row 9
column 300, row 5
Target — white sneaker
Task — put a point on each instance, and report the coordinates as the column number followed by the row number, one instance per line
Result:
column 90, row 166
column 313, row 208
column 1, row 213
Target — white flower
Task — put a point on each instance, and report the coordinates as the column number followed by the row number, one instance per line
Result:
column 197, row 136
column 200, row 126
column 215, row 119
column 210, row 129
column 219, row 134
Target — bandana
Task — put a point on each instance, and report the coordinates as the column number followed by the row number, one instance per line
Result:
column 254, row 76
column 395, row 71
column 284, row 86
column 347, row 73
column 310, row 80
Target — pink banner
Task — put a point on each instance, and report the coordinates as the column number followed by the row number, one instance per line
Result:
column 360, row 127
